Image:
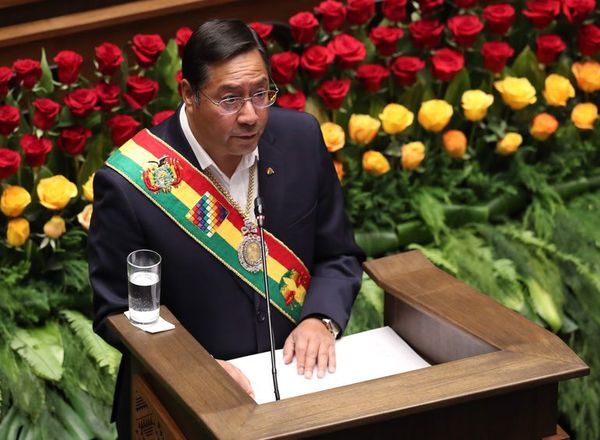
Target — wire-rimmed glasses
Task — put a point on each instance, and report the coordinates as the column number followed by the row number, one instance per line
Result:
column 260, row 100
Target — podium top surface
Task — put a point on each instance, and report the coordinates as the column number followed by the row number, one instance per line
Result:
column 505, row 352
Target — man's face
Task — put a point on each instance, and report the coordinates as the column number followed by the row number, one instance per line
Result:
column 227, row 137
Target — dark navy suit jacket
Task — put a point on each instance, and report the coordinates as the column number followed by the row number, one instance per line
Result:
column 304, row 209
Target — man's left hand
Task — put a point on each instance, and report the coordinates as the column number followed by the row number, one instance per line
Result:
column 312, row 344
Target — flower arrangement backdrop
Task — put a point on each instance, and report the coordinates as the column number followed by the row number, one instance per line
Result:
column 465, row 129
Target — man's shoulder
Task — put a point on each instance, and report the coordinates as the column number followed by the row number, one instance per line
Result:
column 287, row 118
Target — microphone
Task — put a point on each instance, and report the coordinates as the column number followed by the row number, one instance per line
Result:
column 259, row 212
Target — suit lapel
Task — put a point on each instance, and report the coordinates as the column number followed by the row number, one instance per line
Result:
column 271, row 180
column 173, row 135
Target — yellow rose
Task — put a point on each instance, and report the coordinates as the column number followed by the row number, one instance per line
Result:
column 55, row 192
column 584, row 115
column 435, row 114
column 339, row 169
column 55, row 227
column 374, row 162
column 543, row 126
column 363, row 128
column 14, row 200
column 558, row 90
column 413, row 154
column 475, row 104
column 88, row 188
column 509, row 144
column 334, row 136
column 517, row 93
column 85, row 216
column 396, row 118
column 455, row 143
column 17, row 231
column 587, row 75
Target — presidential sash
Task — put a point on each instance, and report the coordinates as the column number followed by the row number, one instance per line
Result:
column 195, row 204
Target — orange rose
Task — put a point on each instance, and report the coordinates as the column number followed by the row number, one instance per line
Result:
column 413, row 154
column 374, row 162
column 455, row 143
column 543, row 126
column 339, row 169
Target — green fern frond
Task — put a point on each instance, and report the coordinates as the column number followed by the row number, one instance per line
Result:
column 100, row 351
column 42, row 350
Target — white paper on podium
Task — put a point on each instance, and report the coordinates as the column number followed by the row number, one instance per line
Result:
column 359, row 357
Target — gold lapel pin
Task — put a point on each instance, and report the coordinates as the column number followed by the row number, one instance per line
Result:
column 270, row 171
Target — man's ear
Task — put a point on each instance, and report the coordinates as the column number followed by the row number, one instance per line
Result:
column 187, row 93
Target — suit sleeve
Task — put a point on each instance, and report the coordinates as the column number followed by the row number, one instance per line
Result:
column 337, row 271
column 114, row 233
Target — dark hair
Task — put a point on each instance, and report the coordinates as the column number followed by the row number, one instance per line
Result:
column 215, row 41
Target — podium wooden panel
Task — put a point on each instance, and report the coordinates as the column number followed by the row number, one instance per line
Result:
column 495, row 376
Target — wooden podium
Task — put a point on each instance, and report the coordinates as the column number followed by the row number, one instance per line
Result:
column 495, row 375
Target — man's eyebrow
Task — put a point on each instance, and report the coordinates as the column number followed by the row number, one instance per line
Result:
column 236, row 87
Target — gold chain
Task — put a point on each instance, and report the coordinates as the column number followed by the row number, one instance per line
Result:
column 230, row 199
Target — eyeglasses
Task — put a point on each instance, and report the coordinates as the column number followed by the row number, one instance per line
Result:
column 260, row 100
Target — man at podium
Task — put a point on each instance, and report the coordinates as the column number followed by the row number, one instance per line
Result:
column 192, row 203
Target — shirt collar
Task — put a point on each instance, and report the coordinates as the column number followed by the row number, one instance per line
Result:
column 203, row 157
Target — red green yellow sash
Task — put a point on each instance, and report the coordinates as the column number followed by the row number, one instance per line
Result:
column 192, row 201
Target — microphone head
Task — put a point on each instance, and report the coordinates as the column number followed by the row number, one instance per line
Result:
column 259, row 209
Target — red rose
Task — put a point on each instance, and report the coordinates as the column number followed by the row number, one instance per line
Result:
column 81, row 102
column 147, row 48
column 394, row 10
column 179, row 79
column 109, row 57
column 360, row 11
column 465, row 29
column 5, row 76
column 68, row 63
column 316, row 59
column 499, row 17
column 9, row 119
column 262, row 29
column 577, row 10
column 161, row 116
column 295, row 101
column 182, row 36
column 333, row 92
column 588, row 40
column 122, row 128
column 72, row 139
column 426, row 33
column 332, row 13
column 140, row 91
column 465, row 3
column 28, row 72
column 428, row 6
column 446, row 63
column 549, row 47
column 405, row 69
column 495, row 54
column 348, row 50
column 10, row 161
column 36, row 150
column 385, row 39
column 371, row 76
column 304, row 26
column 541, row 12
column 108, row 95
column 45, row 113
column 284, row 66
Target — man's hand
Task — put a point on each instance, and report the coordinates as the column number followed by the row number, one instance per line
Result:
column 238, row 376
column 312, row 344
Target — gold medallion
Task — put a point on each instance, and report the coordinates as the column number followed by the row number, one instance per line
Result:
column 249, row 253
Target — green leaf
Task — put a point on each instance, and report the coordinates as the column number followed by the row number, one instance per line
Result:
column 104, row 354
column 45, row 82
column 315, row 108
column 459, row 84
column 42, row 349
column 526, row 65
column 93, row 159
column 377, row 242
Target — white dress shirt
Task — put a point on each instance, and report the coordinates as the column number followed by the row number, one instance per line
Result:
column 237, row 184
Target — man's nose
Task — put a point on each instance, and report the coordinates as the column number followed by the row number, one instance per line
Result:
column 247, row 114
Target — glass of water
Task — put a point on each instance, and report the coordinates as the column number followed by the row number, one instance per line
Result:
column 143, row 282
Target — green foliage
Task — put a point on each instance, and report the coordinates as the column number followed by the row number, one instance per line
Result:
column 367, row 312
column 42, row 349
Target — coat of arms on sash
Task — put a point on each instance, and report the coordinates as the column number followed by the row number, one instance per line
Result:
column 162, row 175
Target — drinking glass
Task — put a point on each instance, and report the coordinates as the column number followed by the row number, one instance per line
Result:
column 143, row 282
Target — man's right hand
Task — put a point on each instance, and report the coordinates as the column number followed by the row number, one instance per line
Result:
column 238, row 376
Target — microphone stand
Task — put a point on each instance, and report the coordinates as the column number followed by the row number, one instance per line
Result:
column 260, row 220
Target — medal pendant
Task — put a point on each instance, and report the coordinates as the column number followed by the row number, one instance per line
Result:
column 249, row 253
